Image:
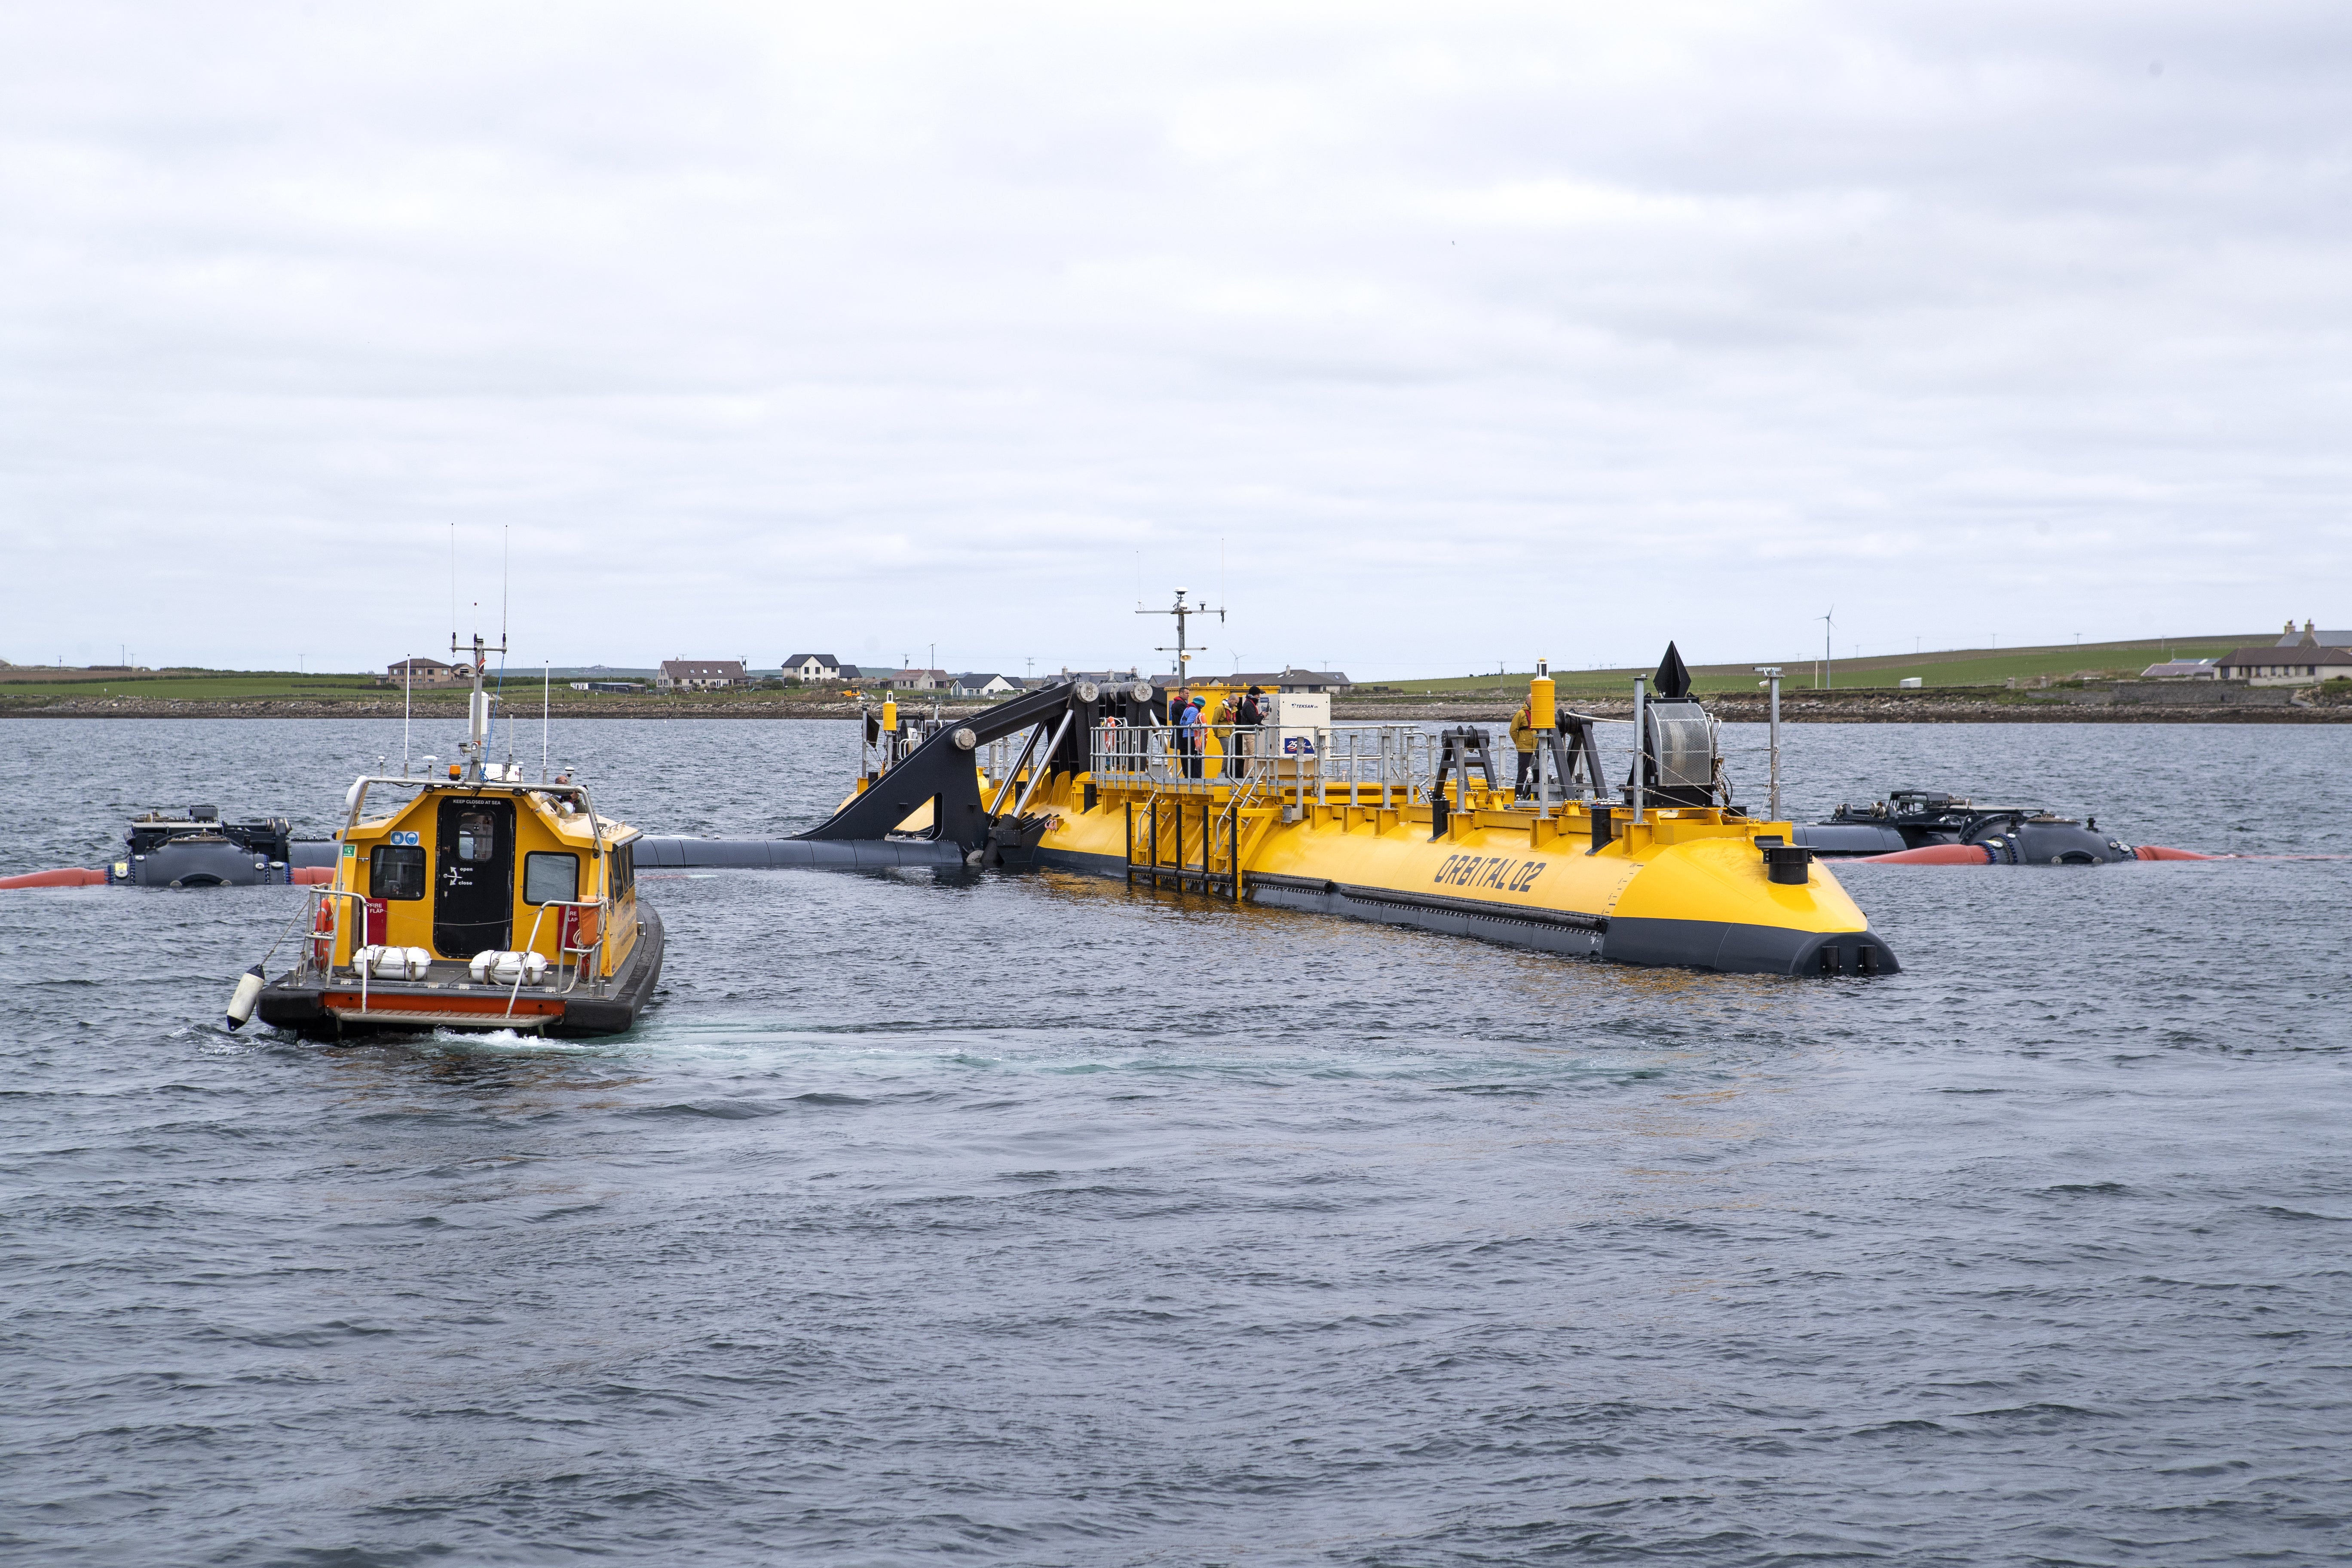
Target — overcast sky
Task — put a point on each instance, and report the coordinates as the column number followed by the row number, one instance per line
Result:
column 1458, row 334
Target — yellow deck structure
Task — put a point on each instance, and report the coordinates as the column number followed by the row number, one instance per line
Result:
column 1347, row 820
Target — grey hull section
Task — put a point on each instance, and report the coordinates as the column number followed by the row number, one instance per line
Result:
column 1734, row 949
column 639, row 974
column 1576, row 936
column 1847, row 838
column 1717, row 945
column 209, row 864
column 795, row 854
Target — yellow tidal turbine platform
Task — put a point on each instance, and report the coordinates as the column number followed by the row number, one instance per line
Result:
column 1259, row 797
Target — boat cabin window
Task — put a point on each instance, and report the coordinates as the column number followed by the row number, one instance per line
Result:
column 623, row 872
column 549, row 878
column 478, row 835
column 395, row 871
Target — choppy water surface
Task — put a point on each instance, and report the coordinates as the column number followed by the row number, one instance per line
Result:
column 1030, row 1220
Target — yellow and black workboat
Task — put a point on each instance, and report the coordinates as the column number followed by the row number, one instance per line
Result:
column 1396, row 823
column 471, row 900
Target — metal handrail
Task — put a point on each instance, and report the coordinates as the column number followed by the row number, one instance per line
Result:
column 1399, row 758
column 531, row 945
column 326, row 971
column 603, row 928
column 334, row 937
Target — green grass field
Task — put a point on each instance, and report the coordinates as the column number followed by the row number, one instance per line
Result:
column 1952, row 667
column 30, row 686
column 190, row 685
column 1960, row 668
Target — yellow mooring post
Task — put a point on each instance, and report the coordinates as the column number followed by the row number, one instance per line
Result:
column 1543, row 716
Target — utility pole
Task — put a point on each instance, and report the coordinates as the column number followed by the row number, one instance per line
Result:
column 1182, row 650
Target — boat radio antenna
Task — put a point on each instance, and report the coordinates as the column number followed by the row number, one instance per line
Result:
column 478, row 710
column 506, row 559
column 1182, row 650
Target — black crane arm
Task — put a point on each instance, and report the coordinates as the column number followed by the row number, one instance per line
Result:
column 943, row 771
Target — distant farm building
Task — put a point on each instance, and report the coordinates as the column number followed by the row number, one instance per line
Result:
column 2311, row 637
column 420, row 672
column 1289, row 680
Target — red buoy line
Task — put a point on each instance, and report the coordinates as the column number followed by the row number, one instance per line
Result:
column 65, row 877
column 1978, row 855
column 83, row 877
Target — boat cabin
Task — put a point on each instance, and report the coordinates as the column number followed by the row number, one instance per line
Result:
column 489, row 865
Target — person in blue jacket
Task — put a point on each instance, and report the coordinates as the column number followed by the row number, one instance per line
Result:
column 1189, row 734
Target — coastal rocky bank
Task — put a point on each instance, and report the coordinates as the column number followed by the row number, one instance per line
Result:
column 2122, row 701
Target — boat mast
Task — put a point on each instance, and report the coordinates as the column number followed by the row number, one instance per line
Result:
column 478, row 710
column 1182, row 650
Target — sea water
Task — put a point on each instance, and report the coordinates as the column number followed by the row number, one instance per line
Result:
column 1026, row 1218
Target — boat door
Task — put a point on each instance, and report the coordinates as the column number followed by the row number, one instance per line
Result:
column 473, row 879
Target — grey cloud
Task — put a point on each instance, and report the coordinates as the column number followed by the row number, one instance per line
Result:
column 1497, row 332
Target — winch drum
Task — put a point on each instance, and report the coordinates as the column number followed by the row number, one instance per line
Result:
column 1682, row 745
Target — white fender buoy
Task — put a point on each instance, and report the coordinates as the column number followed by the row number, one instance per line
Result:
column 241, row 1000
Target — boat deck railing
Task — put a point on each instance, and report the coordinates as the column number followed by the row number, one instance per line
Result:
column 1391, row 764
column 1399, row 761
column 316, row 962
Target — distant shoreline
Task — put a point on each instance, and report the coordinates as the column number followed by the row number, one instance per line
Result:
column 2120, row 704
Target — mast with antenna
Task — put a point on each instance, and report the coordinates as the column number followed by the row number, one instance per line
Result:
column 506, row 559
column 475, row 746
column 1182, row 650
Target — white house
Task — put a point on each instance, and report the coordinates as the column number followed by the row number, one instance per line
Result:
column 2296, row 664
column 812, row 666
column 700, row 674
column 984, row 685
